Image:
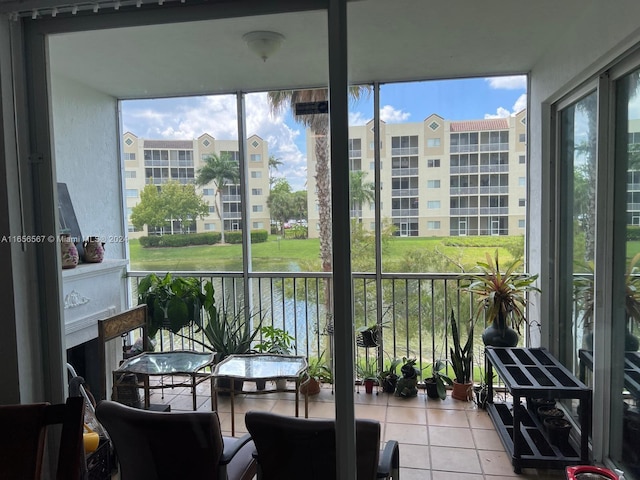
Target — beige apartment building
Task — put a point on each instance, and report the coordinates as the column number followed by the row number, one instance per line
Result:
column 440, row 177
column 160, row 161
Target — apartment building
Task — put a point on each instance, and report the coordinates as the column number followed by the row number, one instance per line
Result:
column 148, row 161
column 441, row 177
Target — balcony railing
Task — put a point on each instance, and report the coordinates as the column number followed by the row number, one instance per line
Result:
column 414, row 310
column 404, row 212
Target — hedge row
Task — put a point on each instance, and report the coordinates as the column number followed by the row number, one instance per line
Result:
column 633, row 233
column 185, row 240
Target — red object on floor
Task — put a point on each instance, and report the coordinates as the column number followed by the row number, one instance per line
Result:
column 589, row 472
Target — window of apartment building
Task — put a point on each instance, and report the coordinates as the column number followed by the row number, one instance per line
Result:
column 521, row 223
column 156, row 158
column 404, row 145
column 433, row 183
column 256, row 174
column 433, row 225
column 257, row 208
column 372, row 165
column 355, row 164
column 464, row 142
column 255, row 157
column 522, row 181
column 181, row 158
column 355, row 147
column 433, row 142
column 494, row 140
column 208, row 191
column 522, row 159
column 230, row 154
column 522, row 138
column 521, row 202
column 130, row 174
column 435, row 163
column 433, row 204
column 400, row 184
column 258, row 225
column 256, row 191
column 132, row 193
column 129, row 156
column 209, row 226
column 212, row 209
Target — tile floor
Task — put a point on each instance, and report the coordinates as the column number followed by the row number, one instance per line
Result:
column 439, row 440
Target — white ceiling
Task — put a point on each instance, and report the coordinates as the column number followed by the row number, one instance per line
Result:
column 389, row 40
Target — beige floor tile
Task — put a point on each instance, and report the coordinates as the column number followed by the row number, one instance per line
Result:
column 496, row 463
column 373, row 412
column 414, row 416
column 450, row 459
column 321, row 410
column 414, row 456
column 446, row 404
column 450, row 437
column 447, row 418
column 413, row 434
column 414, row 474
column 479, row 419
column 413, row 402
column 439, row 475
column 486, row 439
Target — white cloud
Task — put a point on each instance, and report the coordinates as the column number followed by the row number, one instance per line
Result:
column 513, row 82
column 357, row 118
column 389, row 114
column 188, row 118
column 502, row 112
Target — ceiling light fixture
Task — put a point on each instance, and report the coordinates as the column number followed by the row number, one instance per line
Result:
column 263, row 44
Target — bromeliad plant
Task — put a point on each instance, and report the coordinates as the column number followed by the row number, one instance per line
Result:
column 502, row 295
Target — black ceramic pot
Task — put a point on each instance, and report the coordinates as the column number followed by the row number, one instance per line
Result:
column 499, row 334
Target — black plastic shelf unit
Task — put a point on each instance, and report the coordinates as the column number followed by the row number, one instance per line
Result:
column 535, row 373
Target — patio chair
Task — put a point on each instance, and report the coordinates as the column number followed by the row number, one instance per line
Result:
column 169, row 445
column 291, row 448
column 23, row 440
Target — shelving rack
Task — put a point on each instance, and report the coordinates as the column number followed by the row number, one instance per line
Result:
column 535, row 373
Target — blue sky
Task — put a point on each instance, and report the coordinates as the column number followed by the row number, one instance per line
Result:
column 190, row 117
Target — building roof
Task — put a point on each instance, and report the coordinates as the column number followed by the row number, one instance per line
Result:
column 183, row 144
column 478, row 125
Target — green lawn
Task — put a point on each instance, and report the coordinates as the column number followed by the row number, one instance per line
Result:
column 303, row 255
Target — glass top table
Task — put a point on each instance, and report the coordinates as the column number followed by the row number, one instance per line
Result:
column 181, row 363
column 255, row 368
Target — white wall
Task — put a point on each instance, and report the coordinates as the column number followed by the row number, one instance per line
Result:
column 599, row 35
column 87, row 159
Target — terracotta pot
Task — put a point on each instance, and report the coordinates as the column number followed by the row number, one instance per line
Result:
column 312, row 387
column 462, row 391
column 368, row 386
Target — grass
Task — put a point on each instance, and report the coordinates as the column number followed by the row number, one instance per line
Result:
column 303, row 255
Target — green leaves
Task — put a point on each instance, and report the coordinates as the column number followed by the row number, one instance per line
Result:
column 461, row 356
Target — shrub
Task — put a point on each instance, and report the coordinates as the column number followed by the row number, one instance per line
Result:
column 181, row 240
column 633, row 233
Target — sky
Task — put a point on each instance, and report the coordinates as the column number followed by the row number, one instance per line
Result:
column 188, row 118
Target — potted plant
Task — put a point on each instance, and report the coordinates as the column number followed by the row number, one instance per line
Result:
column 368, row 336
column 368, row 373
column 407, row 385
column 172, row 302
column 276, row 341
column 503, row 296
column 584, row 295
column 317, row 373
column 388, row 378
column 482, row 390
column 435, row 384
column 461, row 362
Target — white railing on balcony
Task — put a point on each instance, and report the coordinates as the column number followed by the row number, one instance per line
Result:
column 463, row 191
column 405, row 192
column 404, row 212
column 463, row 169
column 405, row 151
column 494, row 168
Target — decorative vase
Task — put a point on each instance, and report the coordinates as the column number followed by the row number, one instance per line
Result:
column 499, row 334
column 68, row 251
column 93, row 250
column 462, row 391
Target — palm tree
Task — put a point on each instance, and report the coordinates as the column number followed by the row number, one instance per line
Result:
column 360, row 191
column 274, row 163
column 222, row 171
column 319, row 126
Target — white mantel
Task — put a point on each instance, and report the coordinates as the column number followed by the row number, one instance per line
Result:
column 92, row 291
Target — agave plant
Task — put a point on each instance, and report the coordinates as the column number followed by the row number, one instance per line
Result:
column 503, row 295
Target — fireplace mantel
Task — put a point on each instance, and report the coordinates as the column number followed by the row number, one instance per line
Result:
column 92, row 291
